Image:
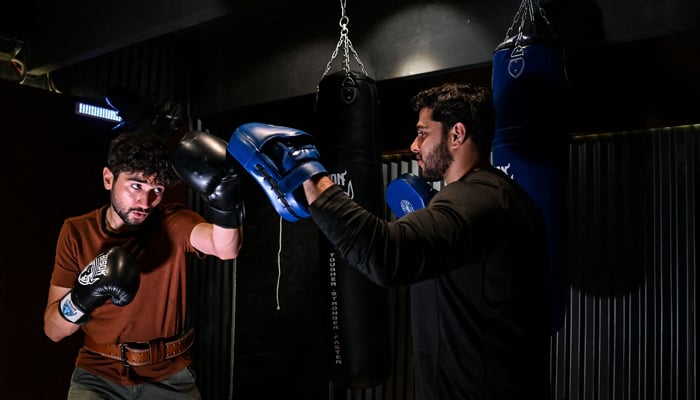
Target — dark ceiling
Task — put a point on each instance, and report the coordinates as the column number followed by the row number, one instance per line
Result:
column 57, row 34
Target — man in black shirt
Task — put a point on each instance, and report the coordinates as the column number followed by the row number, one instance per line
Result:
column 475, row 258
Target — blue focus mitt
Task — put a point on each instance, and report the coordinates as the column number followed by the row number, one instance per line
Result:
column 280, row 159
column 408, row 193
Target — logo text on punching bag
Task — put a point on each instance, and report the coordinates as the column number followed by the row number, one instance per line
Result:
column 341, row 179
column 505, row 169
column 335, row 317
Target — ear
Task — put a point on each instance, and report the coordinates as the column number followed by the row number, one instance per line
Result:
column 458, row 134
column 107, row 178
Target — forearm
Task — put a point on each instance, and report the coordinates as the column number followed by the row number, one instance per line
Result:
column 227, row 242
column 55, row 326
column 360, row 237
column 224, row 243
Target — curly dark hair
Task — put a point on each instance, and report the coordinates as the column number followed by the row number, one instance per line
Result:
column 141, row 152
column 469, row 104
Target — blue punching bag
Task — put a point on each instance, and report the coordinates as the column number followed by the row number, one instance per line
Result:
column 529, row 85
column 357, row 312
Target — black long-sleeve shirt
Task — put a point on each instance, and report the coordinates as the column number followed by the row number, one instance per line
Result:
column 476, row 260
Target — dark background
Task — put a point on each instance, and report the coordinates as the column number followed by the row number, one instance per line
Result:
column 631, row 65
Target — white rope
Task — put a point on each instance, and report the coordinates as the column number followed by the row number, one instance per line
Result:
column 279, row 266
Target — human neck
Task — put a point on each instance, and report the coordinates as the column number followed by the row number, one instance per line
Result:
column 461, row 167
column 113, row 221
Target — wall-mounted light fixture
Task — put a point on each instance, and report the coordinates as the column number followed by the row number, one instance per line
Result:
column 98, row 112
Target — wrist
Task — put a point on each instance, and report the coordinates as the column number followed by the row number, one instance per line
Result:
column 314, row 186
column 70, row 311
column 230, row 219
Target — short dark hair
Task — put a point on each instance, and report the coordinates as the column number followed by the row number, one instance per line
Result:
column 469, row 104
column 141, row 152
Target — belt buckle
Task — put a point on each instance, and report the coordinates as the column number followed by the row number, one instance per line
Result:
column 123, row 349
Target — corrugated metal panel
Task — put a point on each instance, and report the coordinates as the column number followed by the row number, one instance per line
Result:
column 211, row 309
column 156, row 69
column 630, row 331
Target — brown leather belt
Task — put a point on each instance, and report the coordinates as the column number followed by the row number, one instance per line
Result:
column 136, row 354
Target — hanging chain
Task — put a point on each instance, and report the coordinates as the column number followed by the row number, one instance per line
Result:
column 519, row 19
column 526, row 11
column 345, row 43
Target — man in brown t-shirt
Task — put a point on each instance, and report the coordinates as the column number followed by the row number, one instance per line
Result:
column 120, row 270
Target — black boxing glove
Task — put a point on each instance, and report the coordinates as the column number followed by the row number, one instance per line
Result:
column 202, row 162
column 112, row 275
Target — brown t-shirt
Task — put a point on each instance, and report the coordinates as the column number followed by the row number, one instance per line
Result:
column 158, row 310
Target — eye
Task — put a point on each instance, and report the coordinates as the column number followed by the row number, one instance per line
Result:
column 158, row 190
column 136, row 186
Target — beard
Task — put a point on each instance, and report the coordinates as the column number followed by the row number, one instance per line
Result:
column 436, row 162
column 123, row 213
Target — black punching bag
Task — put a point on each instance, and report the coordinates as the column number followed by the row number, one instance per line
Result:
column 529, row 85
column 357, row 312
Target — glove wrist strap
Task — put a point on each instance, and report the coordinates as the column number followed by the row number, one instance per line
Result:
column 70, row 311
column 230, row 219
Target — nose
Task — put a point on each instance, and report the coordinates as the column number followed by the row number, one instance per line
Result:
column 415, row 146
column 146, row 200
column 142, row 201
